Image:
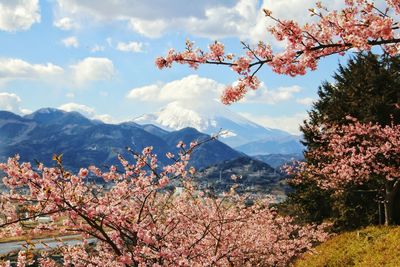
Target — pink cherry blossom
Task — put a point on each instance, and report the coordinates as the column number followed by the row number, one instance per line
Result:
column 137, row 222
column 355, row 153
column 360, row 25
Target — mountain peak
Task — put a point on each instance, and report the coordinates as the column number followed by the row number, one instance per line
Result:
column 209, row 118
column 53, row 115
column 43, row 111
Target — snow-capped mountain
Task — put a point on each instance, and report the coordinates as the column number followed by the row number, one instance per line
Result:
column 210, row 119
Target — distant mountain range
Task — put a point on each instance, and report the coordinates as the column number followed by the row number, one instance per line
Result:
column 84, row 142
column 241, row 133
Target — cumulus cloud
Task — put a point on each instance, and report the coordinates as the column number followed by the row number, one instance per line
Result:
column 93, row 69
column 289, row 124
column 195, row 88
column 188, row 88
column 12, row 69
column 86, row 111
column 211, row 18
column 11, row 102
column 135, row 47
column 66, row 24
column 224, row 21
column 208, row 18
column 18, row 15
column 267, row 96
column 86, row 70
column 150, row 28
column 71, row 41
column 107, row 9
column 307, row 101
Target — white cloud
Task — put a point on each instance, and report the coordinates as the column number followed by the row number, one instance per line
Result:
column 26, row 111
column 195, row 88
column 307, row 101
column 289, row 124
column 135, row 47
column 86, row 111
column 71, row 41
column 92, row 69
column 11, row 102
column 208, row 18
column 86, row 70
column 191, row 87
column 224, row 21
column 12, row 68
column 146, row 93
column 111, row 9
column 70, row 95
column 266, row 96
column 105, row 118
column 149, row 28
column 97, row 48
column 66, row 24
column 19, row 15
column 83, row 109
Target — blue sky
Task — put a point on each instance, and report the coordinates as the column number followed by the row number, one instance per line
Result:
column 91, row 56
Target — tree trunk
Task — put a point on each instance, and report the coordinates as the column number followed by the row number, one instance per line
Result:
column 388, row 211
column 391, row 189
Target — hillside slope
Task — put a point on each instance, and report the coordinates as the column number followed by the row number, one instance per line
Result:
column 372, row 246
column 257, row 177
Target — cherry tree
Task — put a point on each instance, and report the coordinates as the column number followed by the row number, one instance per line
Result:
column 138, row 221
column 360, row 25
column 354, row 154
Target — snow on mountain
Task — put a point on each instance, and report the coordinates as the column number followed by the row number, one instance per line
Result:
column 210, row 118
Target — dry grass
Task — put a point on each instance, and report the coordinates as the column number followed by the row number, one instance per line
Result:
column 372, row 246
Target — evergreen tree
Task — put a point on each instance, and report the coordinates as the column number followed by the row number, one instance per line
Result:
column 368, row 89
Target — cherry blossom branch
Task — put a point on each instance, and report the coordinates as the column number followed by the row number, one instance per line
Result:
column 360, row 26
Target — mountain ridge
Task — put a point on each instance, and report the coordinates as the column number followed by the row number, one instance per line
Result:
column 84, row 142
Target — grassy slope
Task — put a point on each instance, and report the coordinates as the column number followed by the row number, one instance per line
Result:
column 372, row 246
